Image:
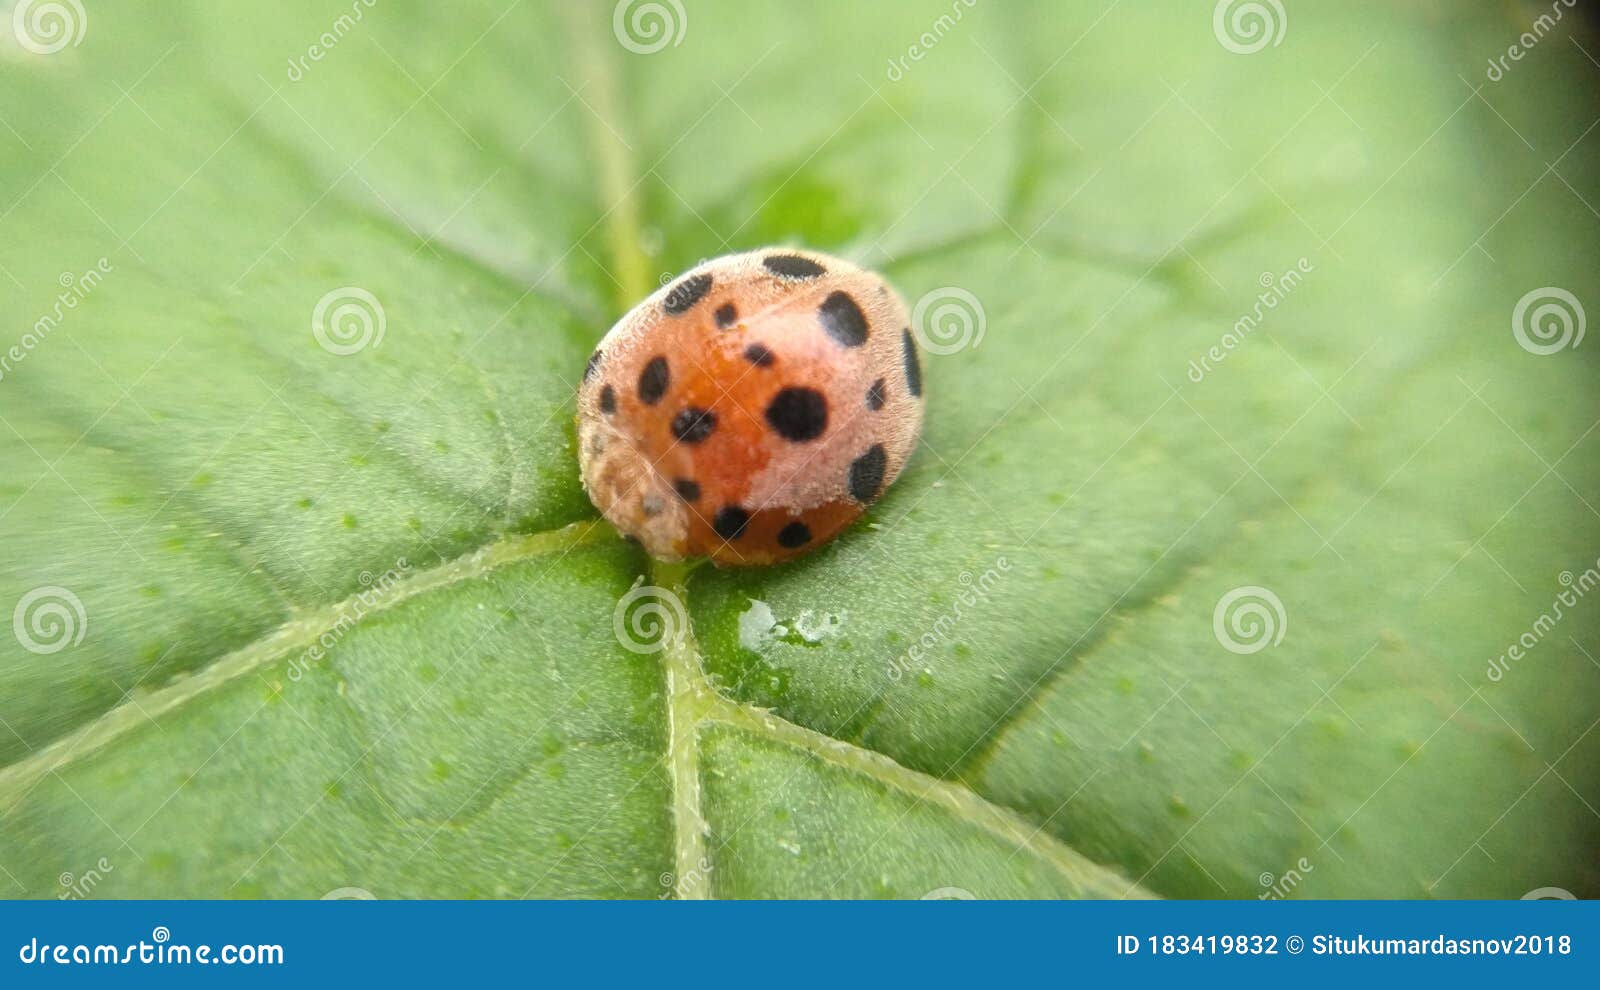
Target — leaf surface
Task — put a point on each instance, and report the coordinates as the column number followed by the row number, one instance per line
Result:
column 347, row 621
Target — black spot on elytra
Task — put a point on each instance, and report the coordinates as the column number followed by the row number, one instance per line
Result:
column 759, row 355
column 843, row 319
column 793, row 266
column 908, row 349
column 726, row 315
column 796, row 534
column 866, row 473
column 685, row 294
column 730, row 522
column 688, row 489
column 877, row 395
column 798, row 414
column 693, row 425
column 608, row 400
column 653, row 381
column 594, row 363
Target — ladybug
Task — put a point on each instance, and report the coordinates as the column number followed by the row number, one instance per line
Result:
column 752, row 409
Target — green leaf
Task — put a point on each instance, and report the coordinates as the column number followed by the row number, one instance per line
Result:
column 290, row 620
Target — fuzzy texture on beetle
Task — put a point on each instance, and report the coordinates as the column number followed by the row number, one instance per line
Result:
column 752, row 409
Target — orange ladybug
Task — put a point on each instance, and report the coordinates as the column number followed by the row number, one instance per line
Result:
column 752, row 409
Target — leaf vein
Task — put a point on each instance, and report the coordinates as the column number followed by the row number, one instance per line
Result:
column 298, row 633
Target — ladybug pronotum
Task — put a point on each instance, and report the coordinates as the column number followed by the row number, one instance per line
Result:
column 752, row 409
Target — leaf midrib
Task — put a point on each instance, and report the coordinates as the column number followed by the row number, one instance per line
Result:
column 693, row 701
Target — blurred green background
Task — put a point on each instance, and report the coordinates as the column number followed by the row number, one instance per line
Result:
column 306, row 595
